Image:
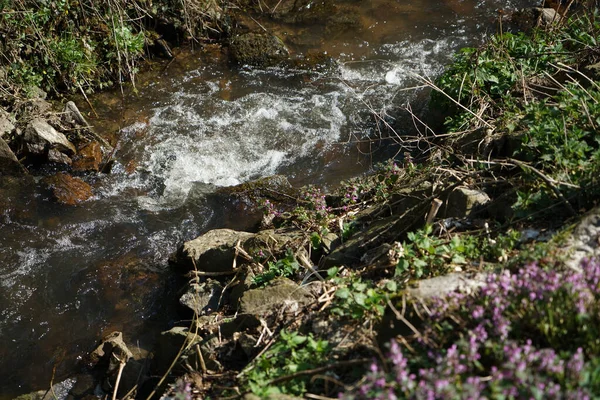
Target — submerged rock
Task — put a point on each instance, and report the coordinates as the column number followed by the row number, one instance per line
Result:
column 258, row 49
column 67, row 189
column 88, row 158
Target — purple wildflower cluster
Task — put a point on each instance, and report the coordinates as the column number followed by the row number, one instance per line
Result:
column 315, row 208
column 523, row 335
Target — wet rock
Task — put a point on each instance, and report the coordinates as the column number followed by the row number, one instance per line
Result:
column 282, row 294
column 303, row 11
column 463, row 201
column 67, row 189
column 6, row 123
column 275, row 187
column 258, row 49
column 202, row 298
column 111, row 349
column 40, row 137
column 212, row 252
column 9, row 165
column 88, row 158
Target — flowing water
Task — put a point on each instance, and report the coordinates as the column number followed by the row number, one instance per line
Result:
column 68, row 275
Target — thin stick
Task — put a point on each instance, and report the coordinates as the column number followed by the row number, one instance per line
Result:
column 435, row 207
column 121, row 367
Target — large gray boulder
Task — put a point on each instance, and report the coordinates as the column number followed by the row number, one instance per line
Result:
column 40, row 137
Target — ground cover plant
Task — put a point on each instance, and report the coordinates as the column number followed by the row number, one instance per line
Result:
column 539, row 93
column 529, row 334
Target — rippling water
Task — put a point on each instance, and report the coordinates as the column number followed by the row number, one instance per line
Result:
column 70, row 274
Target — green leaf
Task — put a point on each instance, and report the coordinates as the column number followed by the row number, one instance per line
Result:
column 342, row 293
column 391, row 286
column 360, row 299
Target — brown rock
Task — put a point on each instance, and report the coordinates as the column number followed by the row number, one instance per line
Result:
column 88, row 158
column 68, row 190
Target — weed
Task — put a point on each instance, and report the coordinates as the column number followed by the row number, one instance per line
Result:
column 284, row 267
column 291, row 353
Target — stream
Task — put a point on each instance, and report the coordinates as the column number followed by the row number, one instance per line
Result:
column 70, row 274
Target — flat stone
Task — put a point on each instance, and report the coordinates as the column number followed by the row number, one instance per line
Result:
column 281, row 293
column 443, row 285
column 40, row 136
column 67, row 189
